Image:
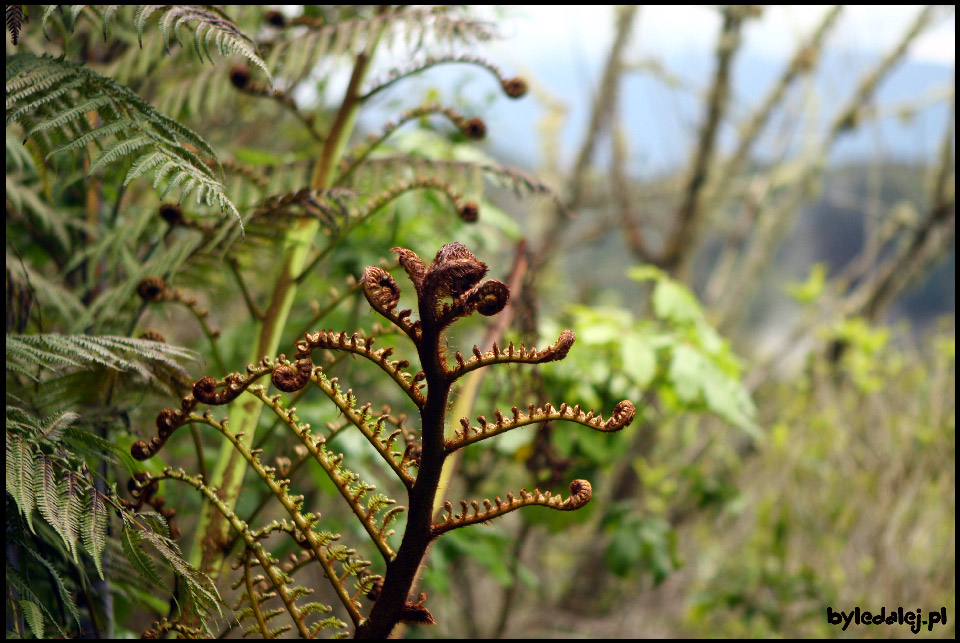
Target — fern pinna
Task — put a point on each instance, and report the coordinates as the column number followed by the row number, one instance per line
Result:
column 449, row 288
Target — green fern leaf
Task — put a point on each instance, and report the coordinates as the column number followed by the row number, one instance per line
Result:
column 201, row 589
column 59, row 95
column 117, row 150
column 71, row 506
column 67, row 305
column 46, row 17
column 132, row 541
column 33, row 615
column 22, row 586
column 94, row 529
column 48, row 497
column 20, row 474
column 66, row 598
column 84, row 442
column 75, row 11
column 56, row 426
column 122, row 354
column 107, row 16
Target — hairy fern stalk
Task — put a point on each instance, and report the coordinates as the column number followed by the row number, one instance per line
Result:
column 98, row 104
column 449, row 288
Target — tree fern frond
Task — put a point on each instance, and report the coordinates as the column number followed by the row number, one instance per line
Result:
column 23, row 587
column 118, row 149
column 65, row 596
column 133, row 550
column 20, row 473
column 71, row 506
column 35, row 86
column 46, row 17
column 106, row 16
column 94, row 529
column 48, row 497
column 33, row 615
column 18, row 157
column 27, row 202
column 299, row 53
column 54, row 294
column 229, row 39
column 87, row 351
column 47, row 89
column 82, row 442
column 201, row 590
column 55, row 426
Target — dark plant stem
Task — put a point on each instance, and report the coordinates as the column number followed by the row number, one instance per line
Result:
column 402, row 570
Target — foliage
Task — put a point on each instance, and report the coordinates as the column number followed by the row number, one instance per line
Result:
column 807, row 545
column 90, row 256
column 310, row 510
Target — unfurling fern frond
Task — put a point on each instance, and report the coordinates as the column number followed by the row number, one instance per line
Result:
column 49, row 95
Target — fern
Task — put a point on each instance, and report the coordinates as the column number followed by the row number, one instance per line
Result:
column 20, row 473
column 15, row 17
column 39, row 89
column 132, row 540
column 52, row 352
column 297, row 54
column 94, row 528
column 210, row 24
column 110, row 264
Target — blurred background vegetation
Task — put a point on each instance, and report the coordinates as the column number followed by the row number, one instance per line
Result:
column 783, row 317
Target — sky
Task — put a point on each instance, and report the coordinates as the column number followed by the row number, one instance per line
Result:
column 563, row 49
column 544, row 32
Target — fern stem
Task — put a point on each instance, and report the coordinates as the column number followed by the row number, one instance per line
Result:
column 201, row 460
column 211, row 338
column 251, row 305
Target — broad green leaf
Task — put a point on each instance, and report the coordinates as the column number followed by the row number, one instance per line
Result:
column 639, row 359
column 673, row 302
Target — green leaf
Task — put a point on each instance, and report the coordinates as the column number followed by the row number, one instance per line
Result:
column 697, row 380
column 48, row 497
column 132, row 542
column 20, row 474
column 34, row 617
column 808, row 291
column 645, row 273
column 71, row 506
column 728, row 399
column 639, row 359
column 642, row 544
column 685, row 373
column 94, row 529
column 66, row 598
column 674, row 302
